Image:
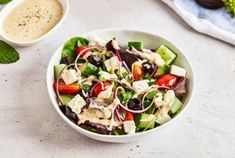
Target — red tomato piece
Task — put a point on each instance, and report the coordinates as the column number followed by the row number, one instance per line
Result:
column 138, row 72
column 67, row 89
column 99, row 87
column 82, row 50
column 129, row 116
column 167, row 80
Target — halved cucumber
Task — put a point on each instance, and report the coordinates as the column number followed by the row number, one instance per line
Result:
column 147, row 121
column 167, row 55
column 162, row 70
column 176, row 106
column 57, row 69
column 66, row 98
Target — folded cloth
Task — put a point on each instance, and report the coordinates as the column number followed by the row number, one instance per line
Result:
column 216, row 23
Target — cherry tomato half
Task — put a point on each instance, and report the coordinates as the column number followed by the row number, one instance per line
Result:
column 99, row 87
column 167, row 80
column 80, row 49
column 67, row 89
column 129, row 116
column 138, row 72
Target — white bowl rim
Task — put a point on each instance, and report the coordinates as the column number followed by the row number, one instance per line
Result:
column 11, row 6
column 120, row 136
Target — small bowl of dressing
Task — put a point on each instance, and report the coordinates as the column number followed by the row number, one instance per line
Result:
column 25, row 22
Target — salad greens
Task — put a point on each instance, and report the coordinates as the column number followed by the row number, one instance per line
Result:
column 116, row 90
column 71, row 45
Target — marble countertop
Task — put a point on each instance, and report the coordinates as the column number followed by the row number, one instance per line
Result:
column 30, row 127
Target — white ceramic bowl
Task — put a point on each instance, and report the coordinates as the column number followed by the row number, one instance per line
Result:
column 123, row 36
column 8, row 8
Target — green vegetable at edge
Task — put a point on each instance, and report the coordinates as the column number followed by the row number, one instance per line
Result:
column 71, row 45
column 4, row 1
column 57, row 69
column 136, row 45
column 8, row 54
column 230, row 6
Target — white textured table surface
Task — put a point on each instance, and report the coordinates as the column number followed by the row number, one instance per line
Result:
column 30, row 127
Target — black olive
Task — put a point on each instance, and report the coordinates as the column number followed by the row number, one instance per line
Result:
column 71, row 115
column 134, row 104
column 94, row 59
column 148, row 67
column 211, row 4
column 109, row 46
column 64, row 60
column 63, row 108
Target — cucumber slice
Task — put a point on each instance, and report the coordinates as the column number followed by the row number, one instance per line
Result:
column 167, row 55
column 66, row 98
column 147, row 121
column 136, row 45
column 162, row 70
column 57, row 69
column 176, row 106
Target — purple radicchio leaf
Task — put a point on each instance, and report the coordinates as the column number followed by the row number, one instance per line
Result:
column 180, row 88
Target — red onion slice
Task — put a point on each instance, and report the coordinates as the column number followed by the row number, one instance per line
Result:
column 57, row 83
column 125, row 108
column 118, row 55
column 128, row 70
column 78, row 56
column 154, row 87
column 154, row 71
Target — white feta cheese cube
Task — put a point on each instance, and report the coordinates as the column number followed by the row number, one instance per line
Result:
column 69, row 76
column 158, row 100
column 76, row 104
column 161, row 119
column 178, row 71
column 129, row 127
column 103, row 76
column 112, row 64
column 169, row 98
column 140, row 86
column 96, row 41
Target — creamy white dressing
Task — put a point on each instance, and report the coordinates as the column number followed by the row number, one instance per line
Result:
column 89, row 80
column 151, row 56
column 164, row 106
column 32, row 19
column 107, row 76
column 99, row 116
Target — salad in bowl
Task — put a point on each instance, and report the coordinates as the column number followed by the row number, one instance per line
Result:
column 114, row 89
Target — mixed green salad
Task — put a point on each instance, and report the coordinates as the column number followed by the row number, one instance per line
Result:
column 116, row 90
